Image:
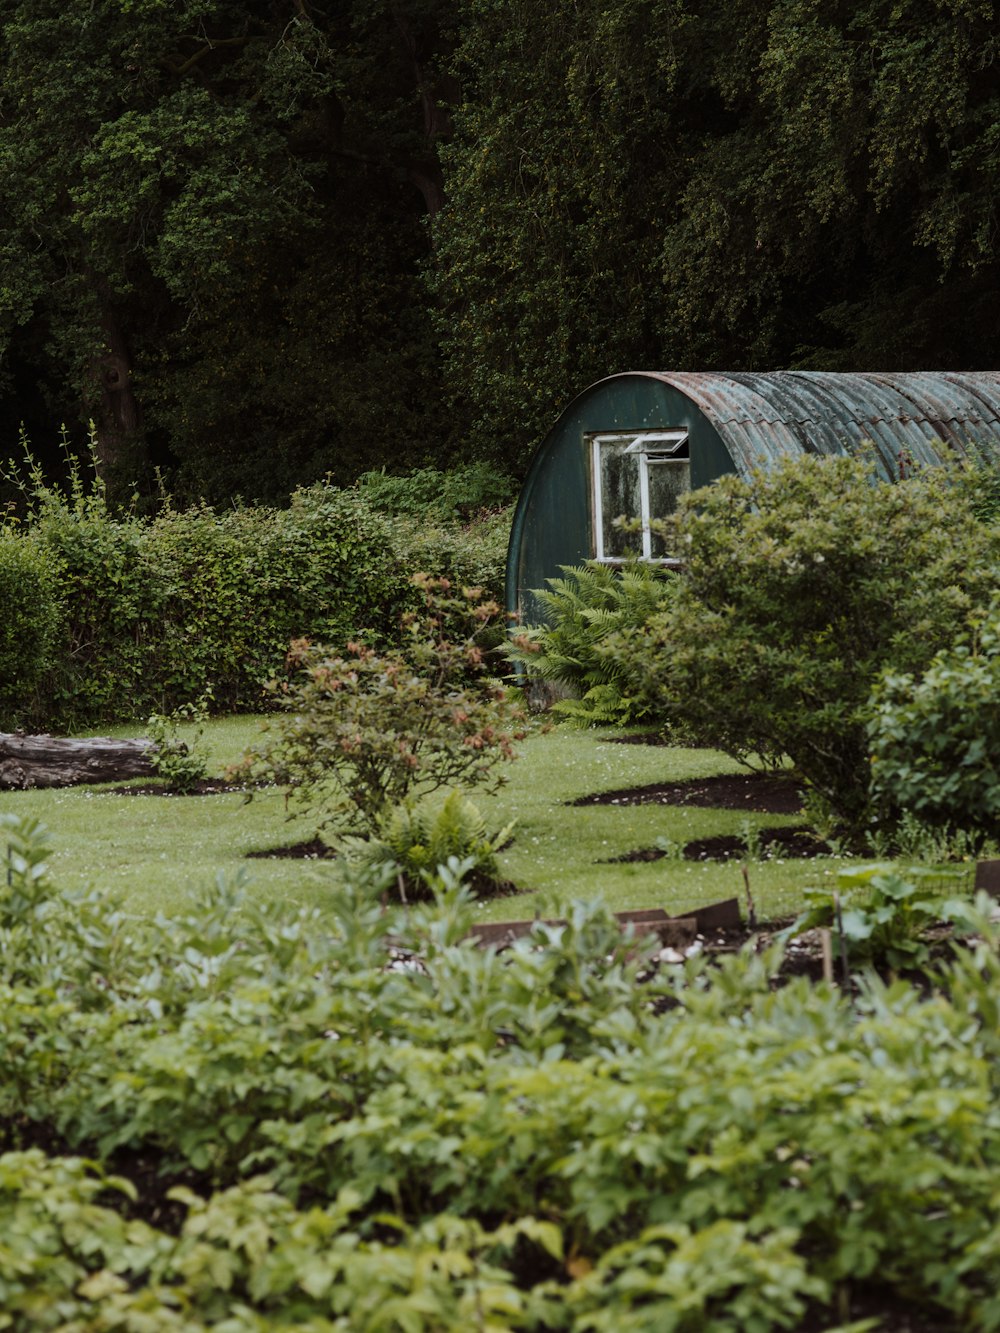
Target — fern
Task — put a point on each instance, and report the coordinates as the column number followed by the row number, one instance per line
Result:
column 415, row 838
column 585, row 607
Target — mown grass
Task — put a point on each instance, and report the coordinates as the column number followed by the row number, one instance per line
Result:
column 159, row 852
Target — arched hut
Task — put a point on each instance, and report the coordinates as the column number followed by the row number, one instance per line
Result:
column 633, row 443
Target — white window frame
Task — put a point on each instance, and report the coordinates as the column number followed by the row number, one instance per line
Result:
column 660, row 446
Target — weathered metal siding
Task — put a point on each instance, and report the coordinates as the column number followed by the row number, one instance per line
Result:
column 927, row 416
column 554, row 521
column 739, row 422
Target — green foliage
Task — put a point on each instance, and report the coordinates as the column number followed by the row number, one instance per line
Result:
column 29, row 624
column 585, row 607
column 362, row 730
column 884, row 913
column 657, row 183
column 157, row 610
column 177, row 754
column 415, row 838
column 540, row 1139
column 428, row 493
column 800, row 586
column 210, row 234
column 935, row 739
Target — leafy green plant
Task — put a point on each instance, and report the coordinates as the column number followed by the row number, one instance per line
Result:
column 429, row 493
column 363, row 730
column 800, row 587
column 935, row 738
column 882, row 913
column 29, row 624
column 178, row 753
column 414, row 839
column 585, row 607
column 559, row 1138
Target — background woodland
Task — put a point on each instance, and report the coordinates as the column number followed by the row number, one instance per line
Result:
column 263, row 243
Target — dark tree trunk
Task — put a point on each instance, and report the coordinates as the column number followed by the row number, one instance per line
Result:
column 114, row 407
column 51, row 761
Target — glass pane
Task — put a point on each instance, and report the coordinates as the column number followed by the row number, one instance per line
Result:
column 619, row 497
column 668, row 481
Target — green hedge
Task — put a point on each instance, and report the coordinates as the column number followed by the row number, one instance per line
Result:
column 146, row 614
column 558, row 1138
column 29, row 620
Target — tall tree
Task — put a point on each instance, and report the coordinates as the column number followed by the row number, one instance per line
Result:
column 674, row 183
column 210, row 230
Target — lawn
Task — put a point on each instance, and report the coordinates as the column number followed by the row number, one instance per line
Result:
column 160, row 852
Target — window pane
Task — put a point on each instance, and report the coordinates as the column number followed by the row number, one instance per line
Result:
column 668, row 481
column 619, row 497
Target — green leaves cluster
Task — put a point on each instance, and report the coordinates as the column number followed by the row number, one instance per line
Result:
column 538, row 1136
column 800, row 586
column 935, row 737
column 412, row 840
column 156, row 611
column 363, row 730
column 587, row 606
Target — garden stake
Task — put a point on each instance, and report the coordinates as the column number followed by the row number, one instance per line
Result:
column 826, row 943
column 751, row 905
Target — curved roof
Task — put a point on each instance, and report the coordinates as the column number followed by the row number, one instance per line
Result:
column 930, row 415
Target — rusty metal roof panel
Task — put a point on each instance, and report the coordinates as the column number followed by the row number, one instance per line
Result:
column 930, row 415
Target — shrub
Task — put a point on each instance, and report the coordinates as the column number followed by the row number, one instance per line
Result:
column 800, row 587
column 29, row 622
column 428, row 493
column 935, row 738
column 413, row 840
column 177, row 757
column 157, row 610
column 588, row 605
column 558, row 1138
column 363, row 730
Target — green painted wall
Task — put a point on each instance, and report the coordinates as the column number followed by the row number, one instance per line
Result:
column 554, row 522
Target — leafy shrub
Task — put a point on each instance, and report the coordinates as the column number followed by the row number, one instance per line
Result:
column 179, row 757
column 884, row 913
column 800, row 587
column 935, row 739
column 29, row 622
column 413, row 840
column 156, row 610
column 428, row 493
column 539, row 1139
column 588, row 605
column 363, row 730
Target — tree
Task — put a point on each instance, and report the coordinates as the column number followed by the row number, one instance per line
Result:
column 671, row 183
column 207, row 232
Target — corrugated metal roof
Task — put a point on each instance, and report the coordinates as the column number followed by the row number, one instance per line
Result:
column 930, row 415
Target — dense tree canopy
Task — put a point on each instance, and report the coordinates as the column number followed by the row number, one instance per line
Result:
column 260, row 242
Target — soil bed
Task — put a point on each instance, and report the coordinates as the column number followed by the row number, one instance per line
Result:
column 755, row 792
column 794, row 843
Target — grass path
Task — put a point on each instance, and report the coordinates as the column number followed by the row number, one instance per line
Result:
column 159, row 852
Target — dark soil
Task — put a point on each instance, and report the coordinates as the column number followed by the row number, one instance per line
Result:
column 774, row 842
column 206, row 787
column 755, row 792
column 317, row 850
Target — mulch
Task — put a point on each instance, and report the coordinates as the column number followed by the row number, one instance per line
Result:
column 793, row 843
column 757, row 793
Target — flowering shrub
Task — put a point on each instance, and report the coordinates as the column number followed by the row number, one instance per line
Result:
column 363, row 730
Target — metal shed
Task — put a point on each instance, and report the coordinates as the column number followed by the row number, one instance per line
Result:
column 632, row 443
